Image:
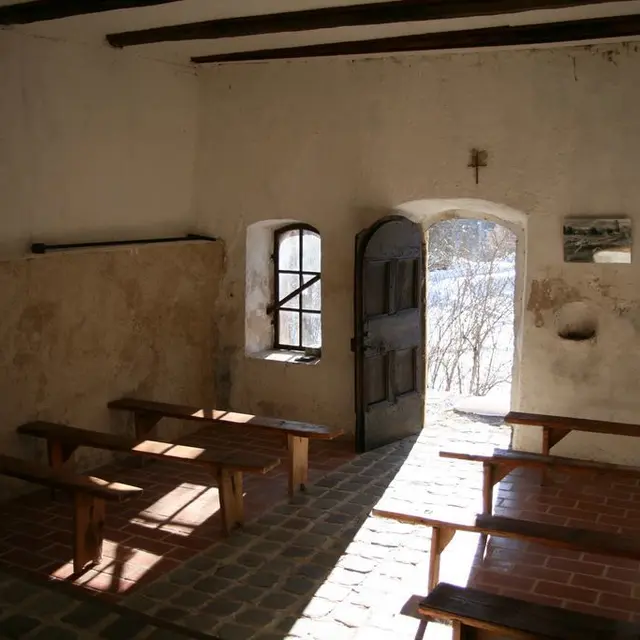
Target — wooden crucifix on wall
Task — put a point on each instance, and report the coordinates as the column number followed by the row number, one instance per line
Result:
column 478, row 159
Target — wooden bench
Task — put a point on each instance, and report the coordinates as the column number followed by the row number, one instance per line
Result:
column 476, row 614
column 444, row 529
column 147, row 414
column 555, row 428
column 89, row 497
column 500, row 462
column 62, row 441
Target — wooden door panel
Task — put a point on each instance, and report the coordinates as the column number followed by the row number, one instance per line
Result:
column 377, row 376
column 397, row 331
column 377, row 293
column 406, row 380
column 408, row 290
column 389, row 332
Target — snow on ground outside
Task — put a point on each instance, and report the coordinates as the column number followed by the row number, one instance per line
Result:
column 443, row 285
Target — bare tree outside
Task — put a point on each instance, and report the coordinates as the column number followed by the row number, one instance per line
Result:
column 471, row 279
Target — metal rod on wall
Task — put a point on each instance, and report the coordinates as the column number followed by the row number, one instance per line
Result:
column 40, row 247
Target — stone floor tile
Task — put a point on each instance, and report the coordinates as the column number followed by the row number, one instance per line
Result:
column 18, row 626
column 124, row 627
column 86, row 615
column 319, row 608
column 299, row 585
column 222, row 606
column 232, row 631
column 255, row 617
column 185, row 576
column 160, row 590
column 212, row 584
column 351, row 615
column 268, row 635
column 164, row 634
column 278, row 600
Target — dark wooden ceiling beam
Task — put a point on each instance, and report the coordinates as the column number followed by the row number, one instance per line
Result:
column 555, row 32
column 330, row 18
column 42, row 10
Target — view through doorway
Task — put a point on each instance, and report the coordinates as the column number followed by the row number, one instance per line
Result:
column 471, row 275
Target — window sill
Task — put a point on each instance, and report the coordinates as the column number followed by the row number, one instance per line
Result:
column 286, row 357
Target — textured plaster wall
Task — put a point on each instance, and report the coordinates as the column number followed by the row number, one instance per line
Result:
column 80, row 329
column 340, row 143
column 97, row 144
column 94, row 143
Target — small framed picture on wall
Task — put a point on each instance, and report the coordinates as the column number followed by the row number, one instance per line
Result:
column 602, row 240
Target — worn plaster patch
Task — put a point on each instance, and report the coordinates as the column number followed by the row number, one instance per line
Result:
column 631, row 313
column 549, row 294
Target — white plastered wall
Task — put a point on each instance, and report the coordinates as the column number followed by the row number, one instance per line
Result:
column 341, row 143
column 95, row 143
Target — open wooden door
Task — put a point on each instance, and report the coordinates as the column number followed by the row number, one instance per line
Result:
column 389, row 332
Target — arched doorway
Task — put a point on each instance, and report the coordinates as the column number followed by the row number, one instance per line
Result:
column 470, row 278
column 423, row 213
column 428, row 212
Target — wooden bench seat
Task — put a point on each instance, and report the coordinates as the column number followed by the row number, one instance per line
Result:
column 63, row 440
column 445, row 527
column 148, row 413
column 89, row 496
column 500, row 462
column 474, row 612
column 555, row 428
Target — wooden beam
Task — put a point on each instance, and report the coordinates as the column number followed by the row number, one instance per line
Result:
column 42, row 10
column 356, row 15
column 505, row 36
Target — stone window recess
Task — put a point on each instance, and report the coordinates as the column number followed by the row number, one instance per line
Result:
column 297, row 305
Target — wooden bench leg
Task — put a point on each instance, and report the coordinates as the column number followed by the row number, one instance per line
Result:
column 58, row 455
column 298, row 463
column 236, row 480
column 487, row 487
column 440, row 538
column 231, row 502
column 492, row 474
column 463, row 632
column 89, row 514
column 143, row 424
column 550, row 437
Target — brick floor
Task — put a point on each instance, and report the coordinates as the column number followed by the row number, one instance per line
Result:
column 323, row 567
column 581, row 581
column 176, row 516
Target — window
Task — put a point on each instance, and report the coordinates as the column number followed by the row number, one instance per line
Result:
column 297, row 301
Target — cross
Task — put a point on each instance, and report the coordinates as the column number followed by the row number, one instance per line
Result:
column 478, row 159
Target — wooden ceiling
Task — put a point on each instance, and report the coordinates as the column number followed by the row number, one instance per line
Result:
column 220, row 31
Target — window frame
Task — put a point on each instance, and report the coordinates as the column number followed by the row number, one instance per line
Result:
column 277, row 304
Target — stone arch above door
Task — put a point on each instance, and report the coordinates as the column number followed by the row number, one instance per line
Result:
column 428, row 211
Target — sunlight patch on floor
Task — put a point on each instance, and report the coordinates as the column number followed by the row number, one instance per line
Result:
column 181, row 510
column 120, row 568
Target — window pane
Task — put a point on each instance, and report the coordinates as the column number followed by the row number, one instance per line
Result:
column 311, row 330
column 288, row 283
column 311, row 251
column 289, row 328
column 311, row 296
column 289, row 250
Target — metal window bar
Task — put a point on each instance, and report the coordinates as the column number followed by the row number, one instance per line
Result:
column 278, row 304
